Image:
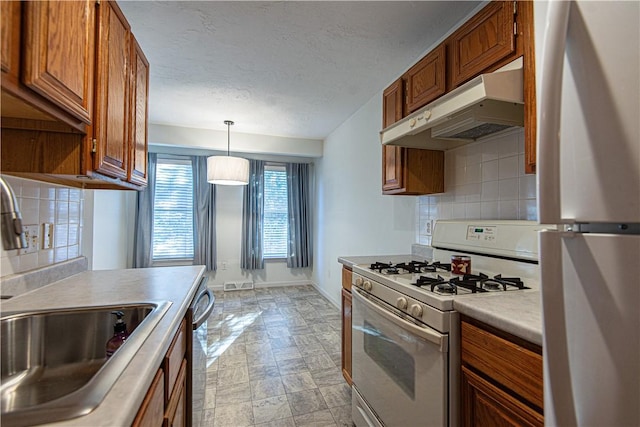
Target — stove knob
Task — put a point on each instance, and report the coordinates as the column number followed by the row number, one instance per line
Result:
column 367, row 285
column 402, row 303
column 416, row 310
column 359, row 281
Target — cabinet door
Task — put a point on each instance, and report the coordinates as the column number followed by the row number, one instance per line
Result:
column 10, row 42
column 425, row 81
column 111, row 127
column 482, row 41
column 151, row 413
column 346, row 335
column 392, row 156
column 58, row 53
column 484, row 404
column 139, row 115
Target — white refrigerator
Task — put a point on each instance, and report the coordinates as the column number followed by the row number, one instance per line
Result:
column 589, row 187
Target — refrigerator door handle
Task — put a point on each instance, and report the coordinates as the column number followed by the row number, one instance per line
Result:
column 558, row 395
column 555, row 36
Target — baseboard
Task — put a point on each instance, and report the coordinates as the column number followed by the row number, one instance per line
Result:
column 336, row 303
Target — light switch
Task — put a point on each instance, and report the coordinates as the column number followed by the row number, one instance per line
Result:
column 47, row 235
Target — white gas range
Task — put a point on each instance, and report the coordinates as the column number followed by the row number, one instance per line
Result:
column 405, row 343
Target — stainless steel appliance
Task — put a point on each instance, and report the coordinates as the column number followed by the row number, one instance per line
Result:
column 405, row 330
column 202, row 307
column 589, row 186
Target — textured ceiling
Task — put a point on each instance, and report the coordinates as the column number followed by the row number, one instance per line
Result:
column 296, row 69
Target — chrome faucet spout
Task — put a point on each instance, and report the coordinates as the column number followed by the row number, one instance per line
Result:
column 11, row 226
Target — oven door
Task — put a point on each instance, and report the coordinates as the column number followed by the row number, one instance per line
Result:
column 400, row 367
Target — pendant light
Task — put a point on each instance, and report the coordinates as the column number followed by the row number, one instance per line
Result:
column 227, row 170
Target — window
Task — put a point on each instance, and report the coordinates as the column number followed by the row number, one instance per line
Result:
column 276, row 217
column 173, row 210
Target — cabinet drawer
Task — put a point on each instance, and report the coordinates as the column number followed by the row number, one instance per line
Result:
column 515, row 367
column 173, row 359
column 151, row 412
column 175, row 415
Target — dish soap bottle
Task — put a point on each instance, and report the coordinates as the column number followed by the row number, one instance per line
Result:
column 120, row 334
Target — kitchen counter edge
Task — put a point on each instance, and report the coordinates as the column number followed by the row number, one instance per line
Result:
column 105, row 287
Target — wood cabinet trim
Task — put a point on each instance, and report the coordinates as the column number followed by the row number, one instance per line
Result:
column 517, row 368
column 173, row 359
column 151, row 413
column 176, row 393
column 347, row 275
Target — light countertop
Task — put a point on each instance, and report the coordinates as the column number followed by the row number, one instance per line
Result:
column 518, row 313
column 91, row 288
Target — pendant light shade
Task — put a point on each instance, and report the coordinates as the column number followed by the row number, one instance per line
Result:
column 227, row 170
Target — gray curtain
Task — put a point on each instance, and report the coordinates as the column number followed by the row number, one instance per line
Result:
column 204, row 216
column 252, row 214
column 299, row 250
column 142, row 239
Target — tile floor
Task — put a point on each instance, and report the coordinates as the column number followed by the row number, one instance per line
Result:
column 274, row 360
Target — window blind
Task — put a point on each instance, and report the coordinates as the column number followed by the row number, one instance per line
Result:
column 276, row 222
column 173, row 210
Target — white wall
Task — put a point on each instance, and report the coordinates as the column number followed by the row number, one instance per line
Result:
column 229, row 237
column 352, row 215
column 108, row 231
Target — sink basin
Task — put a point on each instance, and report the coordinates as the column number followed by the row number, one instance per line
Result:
column 53, row 362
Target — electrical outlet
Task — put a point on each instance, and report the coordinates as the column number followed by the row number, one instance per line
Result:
column 47, row 235
column 428, row 227
column 224, row 265
column 31, row 234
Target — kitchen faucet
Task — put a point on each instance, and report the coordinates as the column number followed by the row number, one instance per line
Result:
column 12, row 234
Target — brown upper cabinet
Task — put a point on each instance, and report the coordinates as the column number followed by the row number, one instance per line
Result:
column 48, row 60
column 499, row 33
column 139, row 91
column 407, row 171
column 483, row 41
column 74, row 95
column 110, row 130
column 425, row 81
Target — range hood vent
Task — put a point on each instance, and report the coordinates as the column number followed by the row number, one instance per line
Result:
column 487, row 104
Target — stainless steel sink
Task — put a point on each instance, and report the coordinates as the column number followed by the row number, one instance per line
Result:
column 54, row 365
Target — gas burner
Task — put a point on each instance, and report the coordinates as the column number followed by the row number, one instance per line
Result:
column 380, row 266
column 445, row 288
column 442, row 266
column 413, row 266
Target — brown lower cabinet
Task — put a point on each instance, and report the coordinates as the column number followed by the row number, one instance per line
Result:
column 346, row 323
column 168, row 400
column 501, row 378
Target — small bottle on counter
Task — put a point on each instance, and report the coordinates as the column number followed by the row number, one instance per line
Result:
column 120, row 334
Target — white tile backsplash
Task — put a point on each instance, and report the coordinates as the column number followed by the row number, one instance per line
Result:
column 42, row 202
column 483, row 180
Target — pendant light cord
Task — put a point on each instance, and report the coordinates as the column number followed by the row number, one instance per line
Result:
column 228, row 123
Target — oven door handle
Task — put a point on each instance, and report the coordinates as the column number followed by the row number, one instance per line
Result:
column 423, row 332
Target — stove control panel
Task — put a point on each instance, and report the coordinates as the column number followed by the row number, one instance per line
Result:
column 486, row 234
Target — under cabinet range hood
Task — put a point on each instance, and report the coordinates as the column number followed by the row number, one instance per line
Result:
column 487, row 104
